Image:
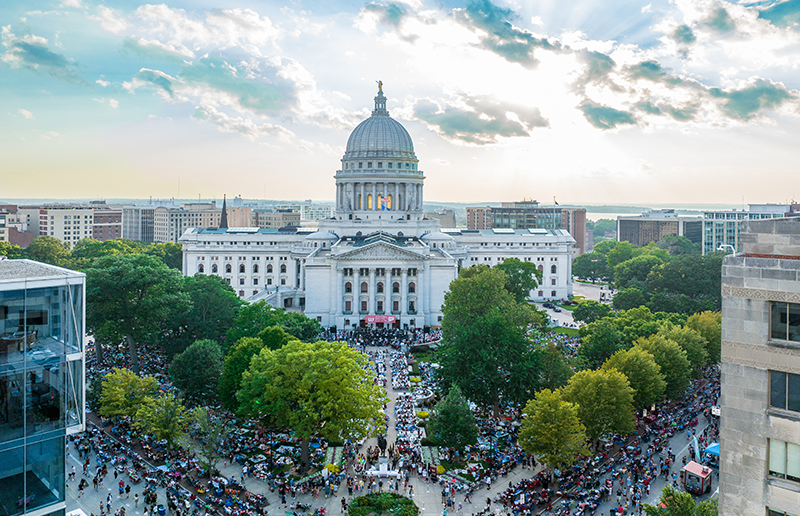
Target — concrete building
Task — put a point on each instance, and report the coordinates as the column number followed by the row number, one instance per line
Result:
column 169, row 223
column 760, row 402
column 138, row 223
column 574, row 221
column 41, row 383
column 309, row 212
column 107, row 224
column 479, row 217
column 277, row 218
column 654, row 225
column 379, row 261
column 721, row 228
column 446, row 218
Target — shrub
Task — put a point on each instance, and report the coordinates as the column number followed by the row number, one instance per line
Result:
column 422, row 414
column 380, row 503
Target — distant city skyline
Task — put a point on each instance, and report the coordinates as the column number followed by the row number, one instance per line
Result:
column 639, row 103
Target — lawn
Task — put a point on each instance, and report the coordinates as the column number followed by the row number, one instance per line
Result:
column 578, row 299
column 572, row 332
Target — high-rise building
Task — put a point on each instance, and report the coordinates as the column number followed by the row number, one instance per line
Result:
column 479, row 217
column 309, row 212
column 41, row 383
column 446, row 218
column 760, row 402
column 652, row 226
column 574, row 221
column 278, row 218
column 721, row 228
column 138, row 223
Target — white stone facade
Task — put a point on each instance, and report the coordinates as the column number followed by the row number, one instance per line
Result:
column 377, row 255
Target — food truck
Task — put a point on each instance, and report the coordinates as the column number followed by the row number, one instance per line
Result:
column 696, row 478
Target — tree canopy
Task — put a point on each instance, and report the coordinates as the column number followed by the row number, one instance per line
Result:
column 600, row 340
column 196, row 371
column 643, row 374
column 485, row 350
column 592, row 266
column 676, row 245
column 709, row 325
column 132, row 297
column 453, row 424
column 552, row 431
column 680, row 503
column 47, row 249
column 692, row 343
column 253, row 318
column 672, row 360
column 320, row 388
column 589, row 311
column 605, row 402
column 123, row 392
column 521, row 277
column 164, row 417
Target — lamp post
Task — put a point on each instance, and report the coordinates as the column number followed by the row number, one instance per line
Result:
column 724, row 247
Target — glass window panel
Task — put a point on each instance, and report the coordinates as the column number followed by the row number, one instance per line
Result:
column 793, row 462
column 777, row 391
column 12, row 484
column 778, row 321
column 12, row 406
column 44, row 473
column 13, row 338
column 45, row 398
column 793, row 401
column 777, row 458
column 794, row 322
column 75, row 394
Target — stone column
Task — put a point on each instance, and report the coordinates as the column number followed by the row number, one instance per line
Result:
column 372, row 297
column 404, row 293
column 374, row 193
column 420, row 295
column 395, row 204
column 356, row 292
column 362, row 205
column 339, row 304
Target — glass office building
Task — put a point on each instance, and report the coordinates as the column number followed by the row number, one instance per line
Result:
column 42, row 314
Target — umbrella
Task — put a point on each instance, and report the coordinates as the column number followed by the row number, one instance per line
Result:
column 713, row 449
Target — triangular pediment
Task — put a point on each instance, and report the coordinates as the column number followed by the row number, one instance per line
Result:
column 379, row 251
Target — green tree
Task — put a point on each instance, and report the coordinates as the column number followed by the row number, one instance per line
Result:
column 676, row 245
column 485, row 350
column 123, row 392
column 320, row 388
column 552, row 431
column 696, row 277
column 10, row 251
column 213, row 310
column 602, row 226
column 635, row 271
column 237, row 360
column 47, row 249
column 300, row 326
column 628, row 298
column 622, row 252
column 605, row 246
column 88, row 250
column 680, row 503
column 211, row 434
column 453, row 424
column 672, row 360
column 690, row 342
column 636, row 323
column 600, row 340
column 605, row 402
column 590, row 311
column 275, row 337
column 132, row 297
column 709, row 325
column 643, row 374
column 554, row 372
column 592, row 266
column 253, row 318
column 521, row 277
column 170, row 253
column 165, row 418
column 196, row 371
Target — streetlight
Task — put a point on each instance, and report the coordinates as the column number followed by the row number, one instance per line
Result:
column 723, row 247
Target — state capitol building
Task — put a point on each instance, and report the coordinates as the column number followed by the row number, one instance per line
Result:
column 377, row 261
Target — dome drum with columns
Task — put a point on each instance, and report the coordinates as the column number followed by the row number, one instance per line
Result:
column 378, row 261
column 379, row 171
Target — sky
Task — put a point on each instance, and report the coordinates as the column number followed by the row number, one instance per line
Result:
column 584, row 101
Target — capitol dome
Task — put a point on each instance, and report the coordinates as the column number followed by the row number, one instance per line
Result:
column 380, row 136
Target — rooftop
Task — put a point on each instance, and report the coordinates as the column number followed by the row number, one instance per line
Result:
column 28, row 269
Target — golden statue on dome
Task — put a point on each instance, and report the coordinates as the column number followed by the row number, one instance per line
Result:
column 380, row 87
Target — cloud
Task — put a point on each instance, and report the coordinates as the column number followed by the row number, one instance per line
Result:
column 720, row 20
column 390, row 14
column 651, row 71
column 647, row 9
column 597, row 67
column 72, row 3
column 744, row 103
column 102, row 83
column 604, row 117
column 782, row 14
column 113, row 103
column 221, row 76
column 32, row 52
column 156, row 50
column 27, row 114
column 109, row 20
column 498, row 35
column 245, row 127
column 156, row 78
column 683, row 34
column 479, row 120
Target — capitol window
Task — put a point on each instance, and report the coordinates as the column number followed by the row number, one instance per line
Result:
column 369, row 164
column 380, row 164
column 364, row 287
column 359, row 164
column 348, row 287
